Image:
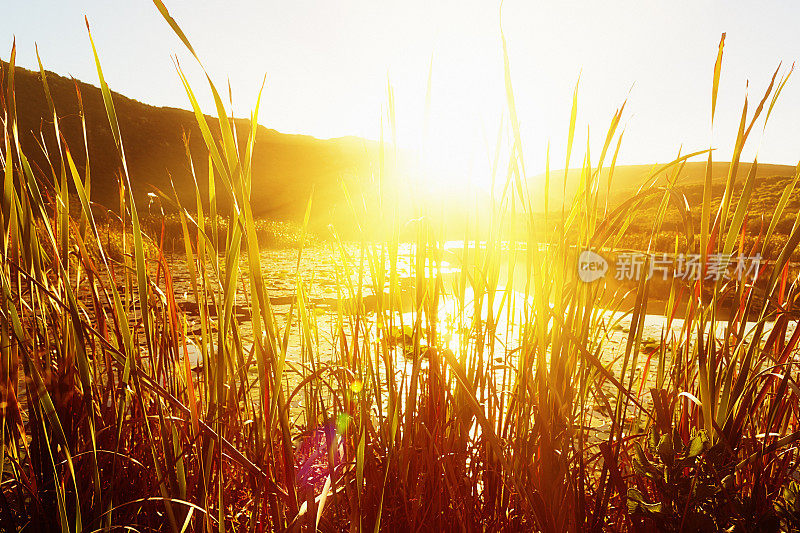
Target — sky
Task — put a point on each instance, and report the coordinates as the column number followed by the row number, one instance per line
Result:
column 328, row 65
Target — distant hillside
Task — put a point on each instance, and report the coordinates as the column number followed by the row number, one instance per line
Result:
column 285, row 167
column 628, row 178
column 771, row 181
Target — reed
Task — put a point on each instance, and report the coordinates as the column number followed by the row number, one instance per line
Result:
column 486, row 419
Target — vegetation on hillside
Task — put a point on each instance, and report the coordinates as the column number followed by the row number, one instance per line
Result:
column 286, row 168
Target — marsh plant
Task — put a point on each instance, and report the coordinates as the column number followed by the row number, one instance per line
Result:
column 108, row 425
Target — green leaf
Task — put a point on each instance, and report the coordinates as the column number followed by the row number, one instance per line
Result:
column 698, row 444
column 637, row 503
column 665, row 449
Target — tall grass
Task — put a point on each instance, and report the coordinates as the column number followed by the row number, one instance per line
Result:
column 107, row 425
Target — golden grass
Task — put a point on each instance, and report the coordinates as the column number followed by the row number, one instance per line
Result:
column 107, row 426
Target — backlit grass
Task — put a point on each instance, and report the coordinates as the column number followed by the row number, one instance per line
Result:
column 108, row 425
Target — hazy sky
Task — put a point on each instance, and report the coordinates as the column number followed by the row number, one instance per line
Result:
column 327, row 64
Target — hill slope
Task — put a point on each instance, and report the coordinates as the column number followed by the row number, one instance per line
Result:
column 628, row 178
column 285, row 167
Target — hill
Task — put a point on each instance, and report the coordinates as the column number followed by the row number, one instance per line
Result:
column 628, row 178
column 770, row 183
column 285, row 167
